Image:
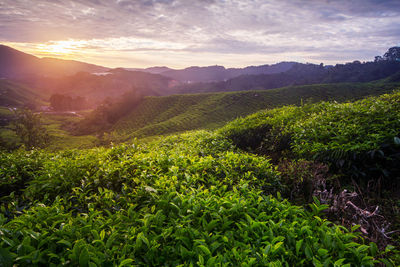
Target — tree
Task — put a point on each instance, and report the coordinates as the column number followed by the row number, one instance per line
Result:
column 393, row 54
column 378, row 59
column 64, row 102
column 29, row 129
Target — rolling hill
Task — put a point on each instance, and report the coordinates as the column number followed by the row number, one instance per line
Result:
column 168, row 114
column 196, row 74
column 220, row 73
column 13, row 94
column 18, row 65
column 114, row 83
column 53, row 76
column 49, row 76
column 300, row 74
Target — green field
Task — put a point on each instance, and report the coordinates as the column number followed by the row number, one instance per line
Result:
column 57, row 128
column 155, row 116
column 177, row 113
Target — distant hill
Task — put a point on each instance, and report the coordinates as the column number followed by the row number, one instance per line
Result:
column 15, row 64
column 114, row 83
column 220, row 73
column 16, row 95
column 300, row 74
column 54, row 76
column 153, row 70
column 163, row 115
column 215, row 73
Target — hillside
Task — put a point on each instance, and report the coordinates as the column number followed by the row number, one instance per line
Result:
column 96, row 83
column 196, row 74
column 13, row 94
column 18, row 65
column 208, row 197
column 219, row 73
column 114, row 83
column 300, row 74
column 164, row 115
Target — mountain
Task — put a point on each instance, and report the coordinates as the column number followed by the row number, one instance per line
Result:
column 15, row 64
column 220, row 73
column 55, row 76
column 153, row 70
column 393, row 78
column 196, row 74
column 300, row 74
column 157, row 70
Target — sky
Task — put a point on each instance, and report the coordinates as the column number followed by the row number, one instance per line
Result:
column 183, row 33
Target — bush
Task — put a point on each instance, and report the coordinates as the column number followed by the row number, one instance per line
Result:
column 164, row 204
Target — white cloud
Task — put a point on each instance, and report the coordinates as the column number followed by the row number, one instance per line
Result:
column 194, row 32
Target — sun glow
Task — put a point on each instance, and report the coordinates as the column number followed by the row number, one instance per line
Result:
column 60, row 48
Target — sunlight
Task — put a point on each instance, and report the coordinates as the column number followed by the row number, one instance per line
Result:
column 61, row 48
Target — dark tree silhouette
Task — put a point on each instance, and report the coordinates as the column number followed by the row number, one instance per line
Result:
column 393, row 54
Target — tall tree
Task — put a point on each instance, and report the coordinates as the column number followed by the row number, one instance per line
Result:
column 29, row 128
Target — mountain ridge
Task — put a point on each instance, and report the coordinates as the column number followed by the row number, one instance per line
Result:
column 16, row 64
column 213, row 73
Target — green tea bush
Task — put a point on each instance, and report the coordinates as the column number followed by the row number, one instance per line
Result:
column 181, row 201
column 18, row 168
column 301, row 178
column 205, row 227
column 197, row 199
column 349, row 127
column 359, row 138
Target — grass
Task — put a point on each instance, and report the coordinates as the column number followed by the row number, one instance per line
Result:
column 5, row 112
column 60, row 138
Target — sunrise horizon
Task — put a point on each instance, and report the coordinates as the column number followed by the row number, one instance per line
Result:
column 51, row 51
column 180, row 34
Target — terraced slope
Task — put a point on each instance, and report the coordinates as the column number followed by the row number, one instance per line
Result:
column 164, row 115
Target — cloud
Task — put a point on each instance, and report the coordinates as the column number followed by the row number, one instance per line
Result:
column 311, row 30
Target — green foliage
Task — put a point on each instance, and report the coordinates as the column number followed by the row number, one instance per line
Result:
column 56, row 126
column 108, row 113
column 184, row 200
column 61, row 102
column 171, row 114
column 17, row 169
column 358, row 138
column 301, row 178
column 360, row 126
column 29, row 129
column 197, row 199
column 13, row 94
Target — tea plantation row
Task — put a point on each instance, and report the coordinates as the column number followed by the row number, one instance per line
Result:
column 195, row 199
